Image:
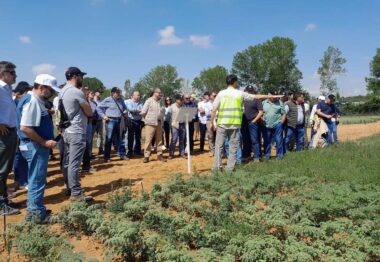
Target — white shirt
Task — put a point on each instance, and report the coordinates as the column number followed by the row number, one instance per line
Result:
column 55, row 105
column 313, row 112
column 207, row 107
column 32, row 111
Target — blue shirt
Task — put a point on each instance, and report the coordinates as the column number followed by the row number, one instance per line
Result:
column 7, row 106
column 31, row 112
column 109, row 108
column 132, row 106
column 327, row 110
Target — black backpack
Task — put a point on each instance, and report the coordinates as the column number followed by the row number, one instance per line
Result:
column 64, row 121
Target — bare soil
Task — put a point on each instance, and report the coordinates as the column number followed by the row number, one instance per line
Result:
column 134, row 173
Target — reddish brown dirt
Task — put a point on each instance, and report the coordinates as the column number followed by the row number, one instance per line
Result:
column 117, row 173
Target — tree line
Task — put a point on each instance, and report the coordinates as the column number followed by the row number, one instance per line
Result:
column 271, row 66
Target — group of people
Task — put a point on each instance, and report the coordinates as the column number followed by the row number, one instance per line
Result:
column 237, row 124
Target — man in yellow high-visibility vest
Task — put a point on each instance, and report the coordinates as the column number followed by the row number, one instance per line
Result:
column 229, row 105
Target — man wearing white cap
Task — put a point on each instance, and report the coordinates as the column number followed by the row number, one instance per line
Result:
column 37, row 137
column 313, row 115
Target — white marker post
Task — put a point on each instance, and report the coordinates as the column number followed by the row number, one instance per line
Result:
column 185, row 115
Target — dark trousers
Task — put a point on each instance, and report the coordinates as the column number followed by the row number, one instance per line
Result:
column 191, row 134
column 20, row 169
column 246, row 140
column 88, row 151
column 8, row 144
column 297, row 133
column 256, row 132
column 167, row 133
column 134, row 138
column 202, row 131
column 178, row 134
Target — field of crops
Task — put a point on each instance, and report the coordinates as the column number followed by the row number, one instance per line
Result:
column 359, row 119
column 322, row 205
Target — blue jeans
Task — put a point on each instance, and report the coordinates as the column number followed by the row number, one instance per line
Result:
column 298, row 133
column 20, row 169
column 37, row 157
column 239, row 153
column 113, row 135
column 178, row 134
column 275, row 134
column 134, row 138
column 335, row 132
column 330, row 127
column 255, row 133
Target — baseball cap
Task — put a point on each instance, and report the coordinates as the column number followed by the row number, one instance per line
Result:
column 115, row 89
column 22, row 87
column 47, row 80
column 323, row 98
column 74, row 71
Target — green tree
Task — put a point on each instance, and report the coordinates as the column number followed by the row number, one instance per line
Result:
column 97, row 85
column 373, row 81
column 211, row 79
column 94, row 84
column 164, row 77
column 331, row 66
column 271, row 66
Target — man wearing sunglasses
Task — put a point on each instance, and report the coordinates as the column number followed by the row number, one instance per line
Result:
column 8, row 134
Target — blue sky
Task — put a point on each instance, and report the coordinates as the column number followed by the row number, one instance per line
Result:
column 116, row 40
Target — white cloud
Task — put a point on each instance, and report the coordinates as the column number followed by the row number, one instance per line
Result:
column 43, row 69
column 310, row 27
column 168, row 37
column 25, row 39
column 202, row 41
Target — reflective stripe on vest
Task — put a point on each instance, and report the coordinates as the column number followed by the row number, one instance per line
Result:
column 230, row 111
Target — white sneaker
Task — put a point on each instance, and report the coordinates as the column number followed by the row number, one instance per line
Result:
column 163, row 148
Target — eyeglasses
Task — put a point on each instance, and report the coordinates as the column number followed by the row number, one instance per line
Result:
column 187, row 98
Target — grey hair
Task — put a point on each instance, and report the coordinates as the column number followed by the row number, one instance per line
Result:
column 5, row 65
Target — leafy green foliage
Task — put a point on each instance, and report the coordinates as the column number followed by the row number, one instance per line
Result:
column 38, row 244
column 96, row 85
column 331, row 66
column 211, row 79
column 255, row 214
column 164, row 77
column 271, row 66
column 373, row 81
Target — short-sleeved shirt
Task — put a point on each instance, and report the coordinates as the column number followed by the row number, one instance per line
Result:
column 31, row 112
column 7, row 106
column 72, row 98
column 327, row 110
column 252, row 108
column 231, row 92
column 273, row 113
